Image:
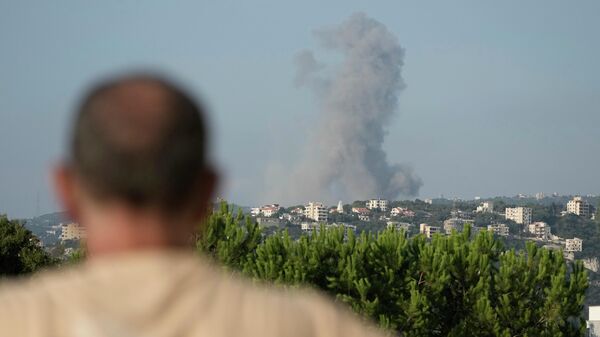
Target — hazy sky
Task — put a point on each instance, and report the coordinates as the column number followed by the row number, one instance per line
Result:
column 502, row 97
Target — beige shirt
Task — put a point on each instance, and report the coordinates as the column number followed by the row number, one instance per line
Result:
column 164, row 294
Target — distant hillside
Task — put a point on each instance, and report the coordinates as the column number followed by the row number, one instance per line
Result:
column 47, row 227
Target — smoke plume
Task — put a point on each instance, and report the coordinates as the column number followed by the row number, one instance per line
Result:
column 344, row 158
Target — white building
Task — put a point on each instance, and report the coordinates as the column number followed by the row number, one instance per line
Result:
column 499, row 229
column 72, row 231
column 266, row 210
column 428, row 231
column 297, row 210
column 591, row 264
column 540, row 229
column 485, row 207
column 573, row 245
column 316, row 211
column 456, row 223
column 520, row 215
column 269, row 211
column 380, row 204
column 396, row 211
column 578, row 206
column 309, row 227
column 400, row 211
column 593, row 322
column 364, row 217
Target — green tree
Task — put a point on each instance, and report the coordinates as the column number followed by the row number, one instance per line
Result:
column 20, row 252
column 77, row 256
column 227, row 237
column 457, row 285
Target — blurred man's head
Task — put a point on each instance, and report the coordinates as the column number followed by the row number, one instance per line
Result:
column 138, row 151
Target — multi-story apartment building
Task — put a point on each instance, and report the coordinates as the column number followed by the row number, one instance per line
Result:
column 573, row 245
column 428, row 231
column 578, row 206
column 72, row 231
column 456, row 224
column 380, row 204
column 520, row 215
column 499, row 229
column 316, row 211
column 540, row 229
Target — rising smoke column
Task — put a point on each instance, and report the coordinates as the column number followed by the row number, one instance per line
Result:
column 344, row 157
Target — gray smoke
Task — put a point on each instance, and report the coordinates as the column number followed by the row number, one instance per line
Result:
column 344, row 158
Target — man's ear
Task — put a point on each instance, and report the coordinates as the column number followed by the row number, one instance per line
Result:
column 66, row 191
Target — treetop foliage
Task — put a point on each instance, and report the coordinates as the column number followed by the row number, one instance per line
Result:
column 457, row 285
column 20, row 252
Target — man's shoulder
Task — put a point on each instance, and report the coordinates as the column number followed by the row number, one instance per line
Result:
column 27, row 301
column 265, row 309
column 49, row 280
column 297, row 311
column 180, row 284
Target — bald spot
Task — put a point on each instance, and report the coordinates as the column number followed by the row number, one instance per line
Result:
column 134, row 115
column 140, row 139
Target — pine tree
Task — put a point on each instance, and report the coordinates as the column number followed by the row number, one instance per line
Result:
column 227, row 237
column 456, row 285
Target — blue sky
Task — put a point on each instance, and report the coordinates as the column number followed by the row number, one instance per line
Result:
column 502, row 97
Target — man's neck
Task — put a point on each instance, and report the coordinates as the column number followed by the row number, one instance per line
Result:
column 115, row 231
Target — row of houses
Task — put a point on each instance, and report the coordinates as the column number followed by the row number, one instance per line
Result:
column 266, row 210
column 523, row 215
column 318, row 212
column 540, row 230
column 429, row 231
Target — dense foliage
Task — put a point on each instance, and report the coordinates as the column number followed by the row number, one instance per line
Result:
column 570, row 226
column 20, row 252
column 449, row 286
